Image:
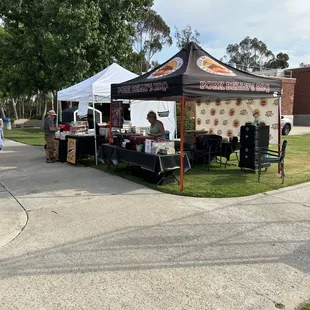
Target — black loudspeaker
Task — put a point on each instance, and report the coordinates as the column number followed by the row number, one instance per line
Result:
column 254, row 136
column 249, row 157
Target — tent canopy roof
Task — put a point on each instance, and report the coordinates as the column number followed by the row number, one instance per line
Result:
column 98, row 85
column 195, row 74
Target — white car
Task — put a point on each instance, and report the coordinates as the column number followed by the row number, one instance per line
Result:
column 286, row 125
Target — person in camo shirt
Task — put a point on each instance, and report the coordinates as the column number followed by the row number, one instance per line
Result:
column 49, row 135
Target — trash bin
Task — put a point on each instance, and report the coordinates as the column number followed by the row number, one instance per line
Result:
column 7, row 123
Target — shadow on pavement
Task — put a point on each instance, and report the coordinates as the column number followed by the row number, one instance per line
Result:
column 174, row 244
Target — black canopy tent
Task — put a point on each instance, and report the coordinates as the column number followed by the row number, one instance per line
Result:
column 193, row 74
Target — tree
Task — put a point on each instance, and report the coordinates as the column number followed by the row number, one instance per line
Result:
column 280, row 62
column 151, row 35
column 185, row 36
column 155, row 64
column 52, row 44
column 303, row 65
column 252, row 55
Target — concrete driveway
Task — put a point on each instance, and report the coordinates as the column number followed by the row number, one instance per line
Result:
column 96, row 241
column 299, row 130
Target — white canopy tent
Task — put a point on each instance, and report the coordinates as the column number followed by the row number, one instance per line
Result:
column 98, row 89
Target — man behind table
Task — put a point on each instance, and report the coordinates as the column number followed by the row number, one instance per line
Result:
column 49, row 135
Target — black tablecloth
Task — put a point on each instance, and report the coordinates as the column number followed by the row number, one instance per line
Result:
column 62, row 150
column 156, row 163
column 85, row 146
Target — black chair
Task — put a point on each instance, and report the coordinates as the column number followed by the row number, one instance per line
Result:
column 272, row 157
column 211, row 148
column 234, row 149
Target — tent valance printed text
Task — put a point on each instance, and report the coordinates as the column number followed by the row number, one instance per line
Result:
column 193, row 73
column 235, row 86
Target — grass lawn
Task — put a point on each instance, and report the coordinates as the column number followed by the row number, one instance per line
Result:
column 219, row 182
column 27, row 136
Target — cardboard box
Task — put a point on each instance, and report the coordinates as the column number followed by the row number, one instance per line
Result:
column 148, row 146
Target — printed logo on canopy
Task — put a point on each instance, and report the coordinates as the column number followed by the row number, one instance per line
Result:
column 209, row 65
column 170, row 67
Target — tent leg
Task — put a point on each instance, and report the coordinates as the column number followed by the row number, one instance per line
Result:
column 176, row 118
column 110, row 129
column 95, row 134
column 279, row 130
column 182, row 145
column 57, row 110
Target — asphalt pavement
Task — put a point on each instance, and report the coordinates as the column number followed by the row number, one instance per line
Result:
column 96, row 241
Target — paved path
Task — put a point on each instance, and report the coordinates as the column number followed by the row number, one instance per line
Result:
column 95, row 241
column 299, row 130
column 13, row 217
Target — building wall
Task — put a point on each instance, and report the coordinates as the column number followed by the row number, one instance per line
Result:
column 302, row 96
column 288, row 95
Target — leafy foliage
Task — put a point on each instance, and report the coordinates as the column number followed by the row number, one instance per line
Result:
column 185, row 36
column 280, row 62
column 55, row 43
column 189, row 122
column 253, row 54
column 151, row 35
column 47, row 45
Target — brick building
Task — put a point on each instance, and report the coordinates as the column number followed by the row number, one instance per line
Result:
column 301, row 109
column 288, row 96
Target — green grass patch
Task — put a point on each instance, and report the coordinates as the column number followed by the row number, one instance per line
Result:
column 231, row 181
column 306, row 307
column 218, row 182
column 27, row 136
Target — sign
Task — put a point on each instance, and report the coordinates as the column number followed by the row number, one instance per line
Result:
column 116, row 113
column 71, row 151
column 225, row 117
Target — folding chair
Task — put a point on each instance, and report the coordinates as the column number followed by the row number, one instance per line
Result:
column 272, row 157
column 234, row 149
column 211, row 148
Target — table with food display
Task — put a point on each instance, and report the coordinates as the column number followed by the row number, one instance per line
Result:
column 75, row 142
column 154, row 160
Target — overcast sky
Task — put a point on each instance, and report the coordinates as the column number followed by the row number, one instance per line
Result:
column 284, row 25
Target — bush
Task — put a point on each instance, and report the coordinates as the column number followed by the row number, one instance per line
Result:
column 189, row 122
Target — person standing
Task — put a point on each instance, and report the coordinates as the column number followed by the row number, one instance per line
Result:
column 49, row 135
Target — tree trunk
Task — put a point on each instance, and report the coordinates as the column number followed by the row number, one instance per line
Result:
column 44, row 112
column 23, row 107
column 53, row 105
column 2, row 112
column 56, row 105
column 39, row 104
column 19, row 108
column 14, row 102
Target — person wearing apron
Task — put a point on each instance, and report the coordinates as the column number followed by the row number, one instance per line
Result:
column 157, row 129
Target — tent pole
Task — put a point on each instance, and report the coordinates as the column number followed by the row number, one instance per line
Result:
column 279, row 130
column 95, row 134
column 57, row 117
column 182, row 145
column 176, row 121
column 110, row 129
